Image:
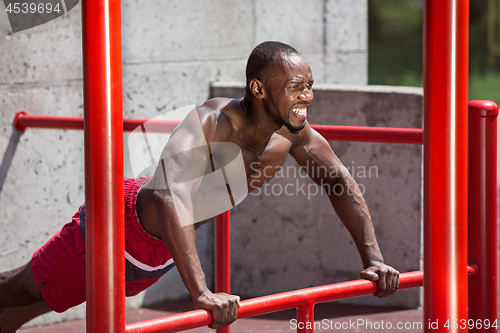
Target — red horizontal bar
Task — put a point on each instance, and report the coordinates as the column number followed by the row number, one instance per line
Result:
column 371, row 134
column 152, row 126
column 277, row 302
column 23, row 120
column 331, row 132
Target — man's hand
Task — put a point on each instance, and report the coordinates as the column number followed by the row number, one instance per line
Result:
column 387, row 278
column 224, row 307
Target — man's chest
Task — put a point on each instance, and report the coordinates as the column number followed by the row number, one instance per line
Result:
column 261, row 168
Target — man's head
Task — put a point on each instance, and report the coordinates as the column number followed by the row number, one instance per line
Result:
column 263, row 57
column 281, row 79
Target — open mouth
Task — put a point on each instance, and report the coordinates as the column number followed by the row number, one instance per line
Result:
column 300, row 111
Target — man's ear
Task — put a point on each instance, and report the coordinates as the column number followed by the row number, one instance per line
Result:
column 256, row 88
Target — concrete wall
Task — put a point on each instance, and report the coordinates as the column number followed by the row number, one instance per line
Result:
column 172, row 50
column 287, row 240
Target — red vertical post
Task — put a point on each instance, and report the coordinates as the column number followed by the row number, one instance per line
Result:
column 223, row 257
column 103, row 130
column 305, row 317
column 445, row 164
column 483, row 213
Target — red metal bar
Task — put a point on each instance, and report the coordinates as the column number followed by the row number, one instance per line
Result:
column 278, row 302
column 23, row 120
column 103, row 113
column 321, row 294
column 223, row 257
column 305, row 317
column 153, row 126
column 331, row 132
column 370, row 134
column 483, row 212
column 445, row 161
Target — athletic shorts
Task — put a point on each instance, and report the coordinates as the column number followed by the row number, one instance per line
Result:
column 60, row 263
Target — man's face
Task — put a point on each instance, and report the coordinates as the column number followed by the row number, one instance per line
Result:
column 289, row 85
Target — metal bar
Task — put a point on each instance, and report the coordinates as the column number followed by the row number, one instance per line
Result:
column 278, row 302
column 153, row 126
column 331, row 132
column 370, row 134
column 445, row 162
column 103, row 113
column 223, row 257
column 305, row 317
column 23, row 120
column 483, row 213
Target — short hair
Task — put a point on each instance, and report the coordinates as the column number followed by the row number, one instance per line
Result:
column 263, row 56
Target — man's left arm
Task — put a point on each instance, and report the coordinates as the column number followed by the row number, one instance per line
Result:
column 313, row 152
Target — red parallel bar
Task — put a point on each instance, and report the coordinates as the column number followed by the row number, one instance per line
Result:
column 277, row 302
column 370, row 134
column 330, row 132
column 223, row 257
column 483, row 213
column 445, row 162
column 23, row 120
column 152, row 126
column 327, row 293
column 103, row 113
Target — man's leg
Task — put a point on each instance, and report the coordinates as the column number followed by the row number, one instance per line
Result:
column 20, row 298
column 18, row 288
column 11, row 319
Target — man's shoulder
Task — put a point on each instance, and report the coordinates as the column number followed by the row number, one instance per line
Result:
column 212, row 109
column 216, row 104
column 215, row 116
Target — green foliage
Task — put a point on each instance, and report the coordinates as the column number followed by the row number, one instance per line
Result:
column 395, row 46
column 485, row 86
column 395, row 42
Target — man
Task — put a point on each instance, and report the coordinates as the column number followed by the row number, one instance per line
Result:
column 266, row 125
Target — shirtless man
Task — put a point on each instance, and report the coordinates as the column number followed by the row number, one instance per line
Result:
column 267, row 124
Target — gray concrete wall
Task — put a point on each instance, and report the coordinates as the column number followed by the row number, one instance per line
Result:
column 172, row 50
column 284, row 238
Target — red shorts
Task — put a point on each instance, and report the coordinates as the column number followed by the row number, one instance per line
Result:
column 60, row 263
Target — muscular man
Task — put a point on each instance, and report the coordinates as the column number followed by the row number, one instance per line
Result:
column 266, row 125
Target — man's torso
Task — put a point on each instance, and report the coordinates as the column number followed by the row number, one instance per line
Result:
column 223, row 120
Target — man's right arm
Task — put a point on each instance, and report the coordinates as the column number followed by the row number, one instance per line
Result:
column 180, row 241
column 185, row 159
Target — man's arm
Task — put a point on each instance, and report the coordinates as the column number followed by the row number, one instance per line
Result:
column 312, row 150
column 183, row 160
column 180, row 241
